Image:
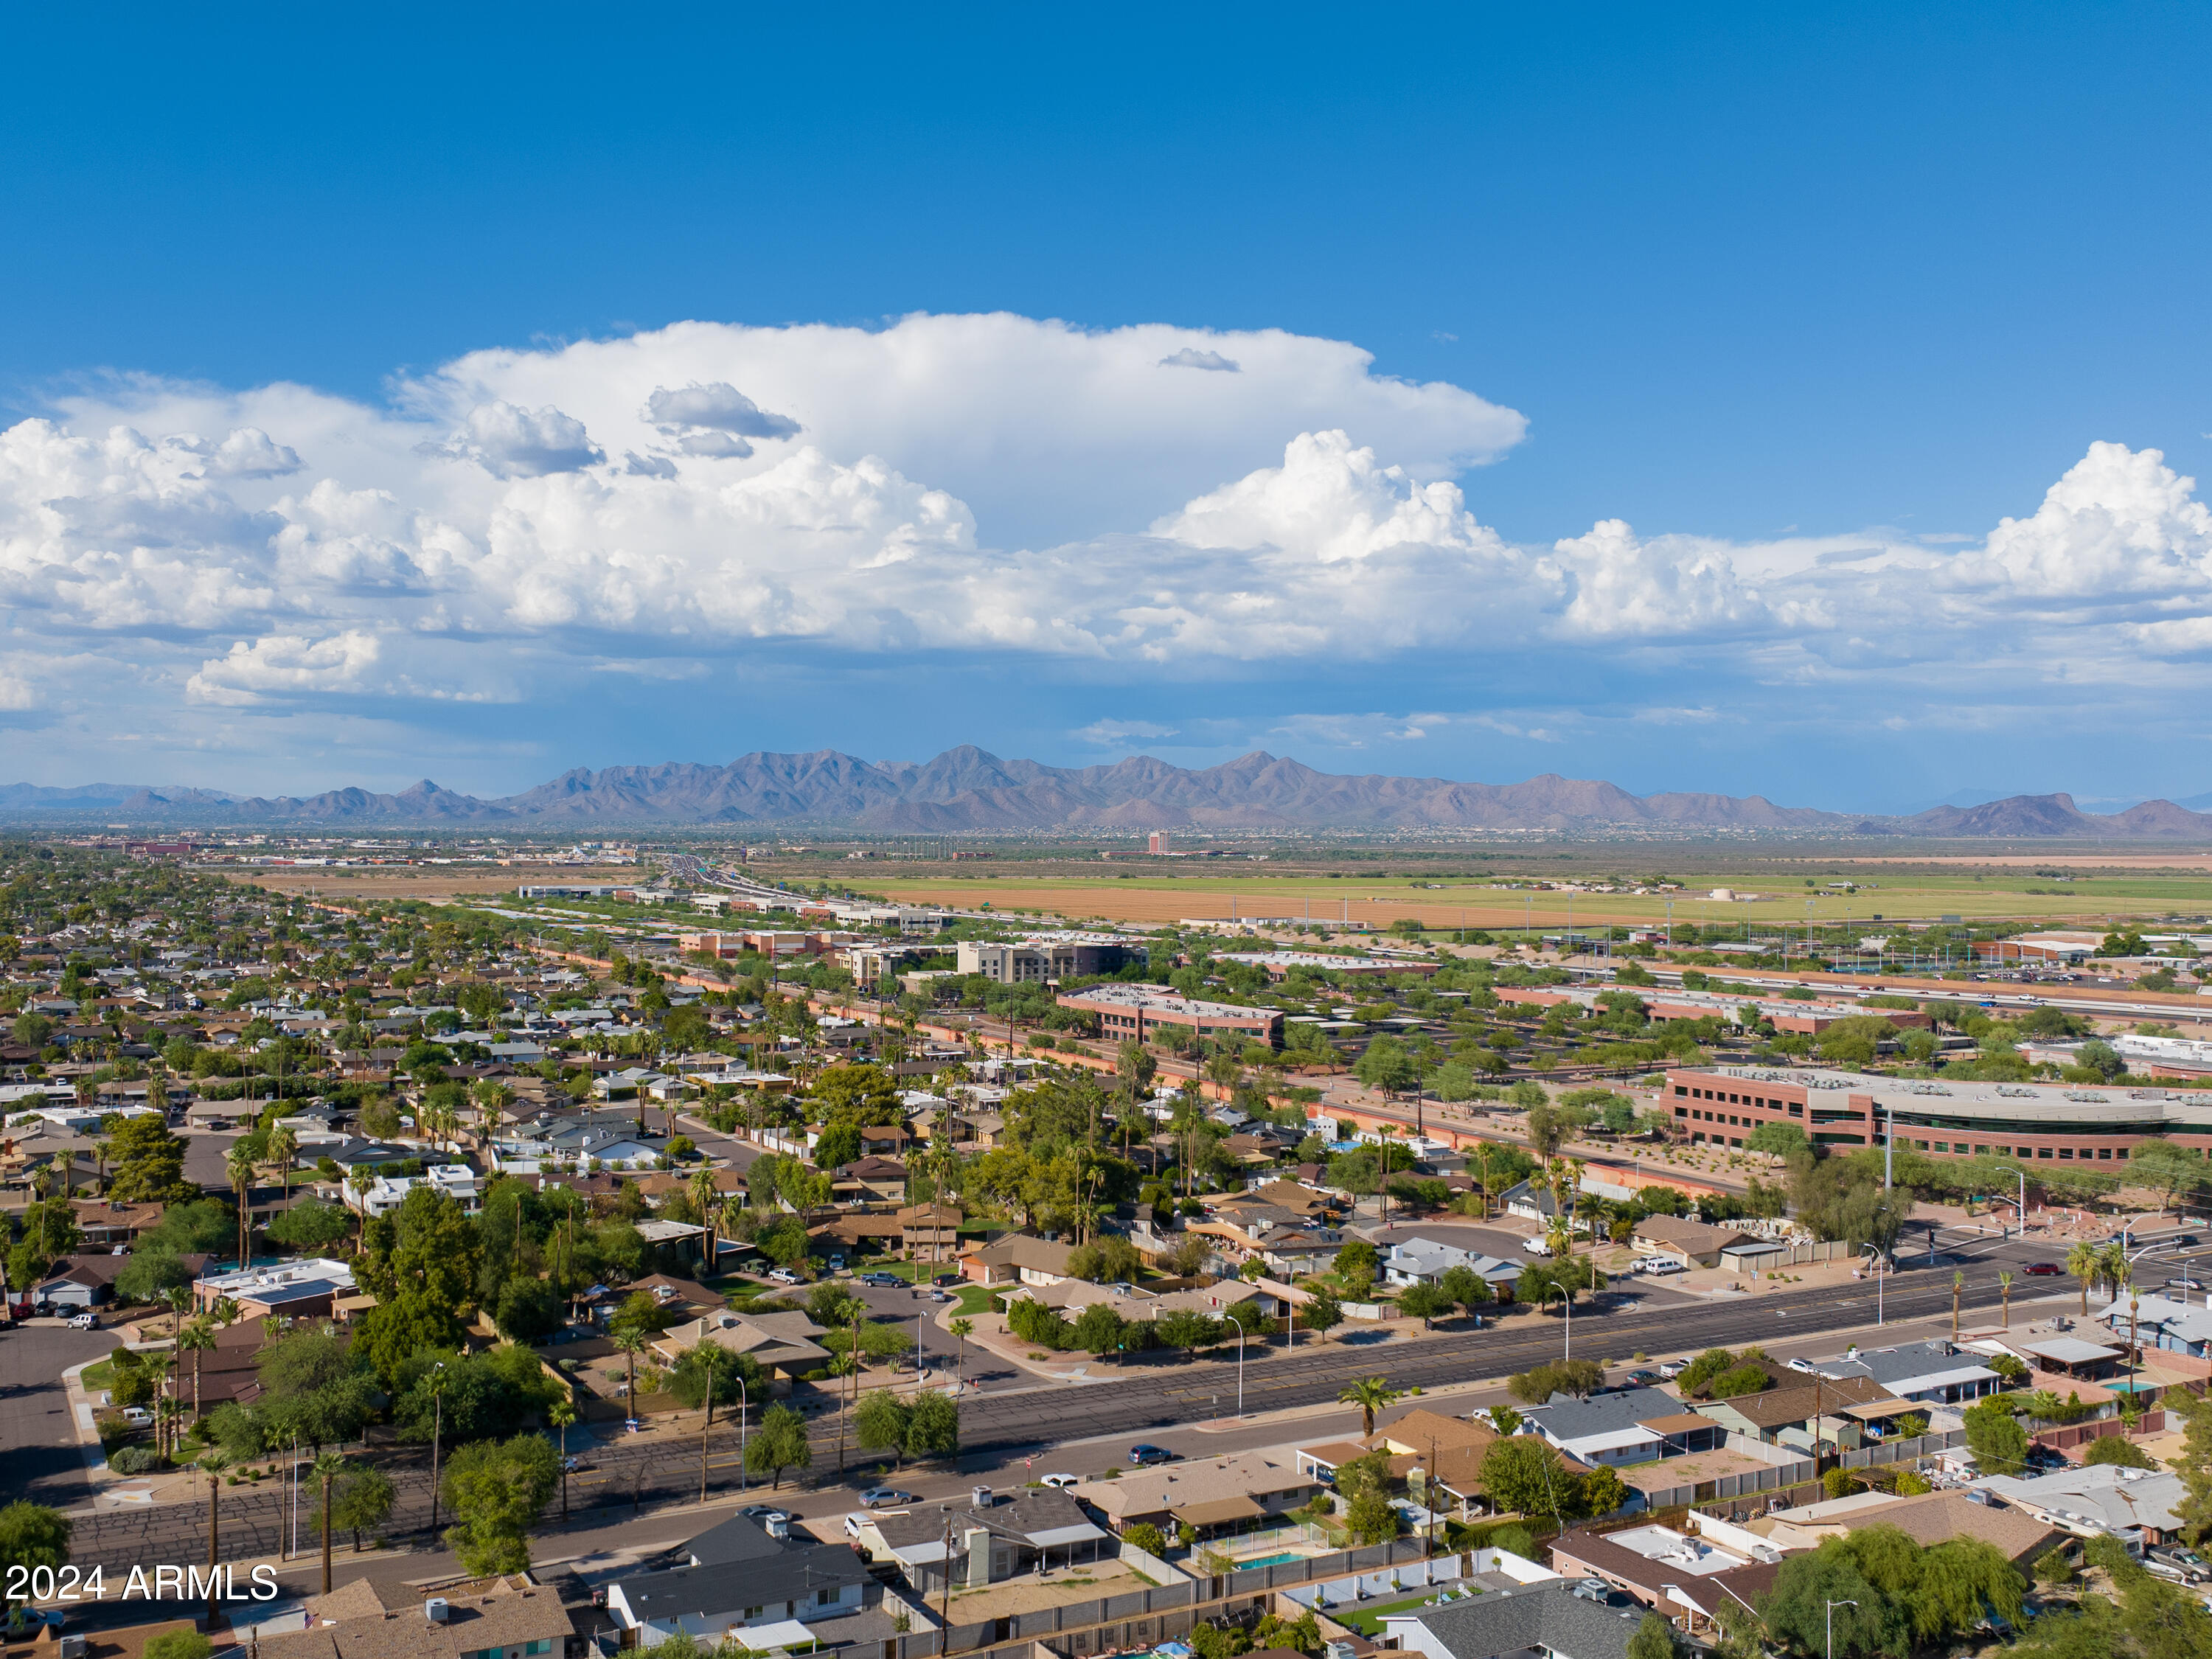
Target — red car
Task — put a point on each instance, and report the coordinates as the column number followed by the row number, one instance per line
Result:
column 2043, row 1270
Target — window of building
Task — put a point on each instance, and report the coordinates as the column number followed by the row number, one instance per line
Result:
column 2042, row 1152
column 1797, row 1110
column 2066, row 1152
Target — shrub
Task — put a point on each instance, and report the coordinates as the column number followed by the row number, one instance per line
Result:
column 135, row 1460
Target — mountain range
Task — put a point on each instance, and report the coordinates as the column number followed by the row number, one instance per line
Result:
column 967, row 789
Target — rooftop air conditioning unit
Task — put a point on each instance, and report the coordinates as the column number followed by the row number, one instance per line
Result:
column 437, row 1610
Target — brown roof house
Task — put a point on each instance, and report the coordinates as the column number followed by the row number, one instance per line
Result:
column 496, row 1618
column 1928, row 1520
column 1692, row 1244
column 778, row 1342
column 1212, row 1495
column 1016, row 1259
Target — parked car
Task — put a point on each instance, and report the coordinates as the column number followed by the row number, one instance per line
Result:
column 1536, row 1246
column 2177, row 1561
column 575, row 1465
column 764, row 1512
column 87, row 1320
column 1143, row 1455
column 783, row 1276
column 882, row 1281
column 2043, row 1270
column 1799, row 1363
column 1642, row 1379
column 854, row 1523
column 1672, row 1369
column 887, row 1497
column 1062, row 1482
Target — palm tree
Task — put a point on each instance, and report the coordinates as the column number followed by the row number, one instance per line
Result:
column 1371, row 1395
column 960, row 1329
column 283, row 1152
column 2085, row 1261
column 239, row 1165
column 703, row 1195
column 2116, row 1269
column 329, row 1466
column 215, row 1463
column 2004, row 1284
column 630, row 1344
column 1958, row 1289
column 196, row 1339
column 561, row 1414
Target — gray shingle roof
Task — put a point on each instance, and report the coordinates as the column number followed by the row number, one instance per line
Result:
column 1572, row 1623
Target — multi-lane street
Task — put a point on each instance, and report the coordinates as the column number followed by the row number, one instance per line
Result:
column 1154, row 1394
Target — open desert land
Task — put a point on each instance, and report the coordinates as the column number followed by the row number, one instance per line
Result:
column 426, row 883
column 1764, row 898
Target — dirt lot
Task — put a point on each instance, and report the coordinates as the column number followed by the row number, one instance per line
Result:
column 420, row 881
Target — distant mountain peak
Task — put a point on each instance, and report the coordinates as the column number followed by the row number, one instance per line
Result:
column 969, row 788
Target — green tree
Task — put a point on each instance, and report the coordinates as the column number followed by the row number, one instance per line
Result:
column 1099, row 1330
column 1427, row 1303
column 1387, row 1065
column 362, row 1502
column 1146, row 1536
column 33, row 1536
column 1466, row 1288
column 529, row 1310
column 497, row 1490
column 1654, row 1639
column 1521, row 1474
column 1320, row 1313
column 1372, row 1518
column 311, row 1226
column 839, row 1145
column 1996, row 1438
column 780, row 1444
column 1797, row 1614
column 933, row 1428
column 2118, row 1449
column 880, row 1421
column 2194, row 1467
column 178, row 1645
column 148, row 1164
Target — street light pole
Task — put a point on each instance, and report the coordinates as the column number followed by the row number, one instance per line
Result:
column 1830, row 1620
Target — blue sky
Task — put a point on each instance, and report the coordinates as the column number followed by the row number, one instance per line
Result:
column 1809, row 305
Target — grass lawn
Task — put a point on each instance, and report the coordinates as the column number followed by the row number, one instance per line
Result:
column 1367, row 1616
column 97, row 1377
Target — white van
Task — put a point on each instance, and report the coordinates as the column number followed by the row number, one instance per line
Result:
column 1537, row 1246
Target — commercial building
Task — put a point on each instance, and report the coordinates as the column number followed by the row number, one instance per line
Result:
column 1280, row 964
column 1140, row 1010
column 1665, row 1006
column 2047, row 1122
column 1046, row 957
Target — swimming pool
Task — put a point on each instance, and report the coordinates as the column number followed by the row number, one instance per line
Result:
column 1269, row 1560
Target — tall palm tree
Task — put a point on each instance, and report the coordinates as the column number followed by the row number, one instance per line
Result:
column 629, row 1345
column 284, row 1153
column 703, row 1197
column 1958, row 1290
column 239, row 1165
column 2117, row 1270
column 196, row 1339
column 1371, row 1395
column 561, row 1414
column 2085, row 1261
column 328, row 1467
column 960, row 1329
column 2004, row 1284
column 214, row 1463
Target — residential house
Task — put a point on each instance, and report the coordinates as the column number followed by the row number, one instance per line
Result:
column 387, row 1193
column 309, row 1288
column 995, row 1539
column 745, row 1581
column 1800, row 1415
column 1211, row 1494
column 2159, row 1321
column 1448, row 1450
column 870, row 1180
column 1555, row 1618
column 1426, row 1260
column 1692, row 1244
column 930, row 1232
column 2092, row 1500
column 1688, row 1577
column 1935, row 1371
column 111, row 1222
column 1929, row 1520
column 1634, row 1426
column 496, row 1618
column 1016, row 1259
column 75, row 1283
column 2071, row 1358
column 778, row 1342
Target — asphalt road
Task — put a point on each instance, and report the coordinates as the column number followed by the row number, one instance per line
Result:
column 39, row 1458
column 1149, row 1396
